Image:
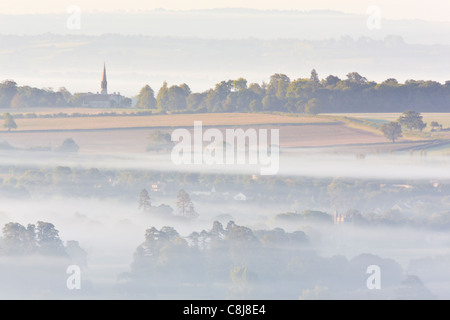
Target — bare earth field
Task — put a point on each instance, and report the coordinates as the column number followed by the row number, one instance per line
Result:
column 125, row 134
column 135, row 140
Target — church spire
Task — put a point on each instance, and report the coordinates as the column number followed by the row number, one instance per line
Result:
column 104, row 84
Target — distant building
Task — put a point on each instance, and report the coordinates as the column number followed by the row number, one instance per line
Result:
column 156, row 187
column 205, row 193
column 103, row 99
column 338, row 218
column 240, row 197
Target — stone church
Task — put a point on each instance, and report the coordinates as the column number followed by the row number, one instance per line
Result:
column 104, row 99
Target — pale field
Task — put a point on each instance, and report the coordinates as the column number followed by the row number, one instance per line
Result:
column 136, row 140
column 176, row 120
column 124, row 134
column 69, row 110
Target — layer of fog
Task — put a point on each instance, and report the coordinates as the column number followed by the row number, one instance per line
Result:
column 110, row 232
column 110, row 229
column 227, row 24
column 309, row 162
column 202, row 63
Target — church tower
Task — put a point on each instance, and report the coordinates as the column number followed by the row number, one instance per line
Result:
column 104, row 83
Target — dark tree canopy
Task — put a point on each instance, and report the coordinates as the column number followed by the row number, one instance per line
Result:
column 354, row 93
column 184, row 205
column 392, row 130
column 144, row 201
column 412, row 120
column 41, row 238
column 146, row 98
column 68, row 145
column 9, row 122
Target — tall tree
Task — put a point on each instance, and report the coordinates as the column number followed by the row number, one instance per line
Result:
column 313, row 106
column 8, row 89
column 18, row 240
column 278, row 85
column 331, row 81
column 162, row 97
column 144, row 201
column 176, row 97
column 9, row 122
column 239, row 84
column 146, row 98
column 48, row 239
column 187, row 91
column 185, row 205
column 392, row 130
column 356, row 77
column 412, row 120
column 314, row 78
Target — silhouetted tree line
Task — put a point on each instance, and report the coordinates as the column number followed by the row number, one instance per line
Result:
column 13, row 96
column 304, row 95
column 310, row 95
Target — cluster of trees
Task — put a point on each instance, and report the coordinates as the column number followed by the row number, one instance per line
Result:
column 410, row 120
column 184, row 205
column 237, row 262
column 14, row 96
column 167, row 259
column 307, row 216
column 42, row 238
column 303, row 95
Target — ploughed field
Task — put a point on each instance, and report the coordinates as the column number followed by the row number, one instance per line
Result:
column 130, row 133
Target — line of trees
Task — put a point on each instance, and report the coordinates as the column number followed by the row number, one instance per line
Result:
column 16, row 97
column 311, row 95
column 13, row 96
column 304, row 95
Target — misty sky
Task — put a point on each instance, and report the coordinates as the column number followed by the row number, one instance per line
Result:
column 432, row 10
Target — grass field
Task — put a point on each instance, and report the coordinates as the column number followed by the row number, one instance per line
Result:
column 380, row 118
column 371, row 121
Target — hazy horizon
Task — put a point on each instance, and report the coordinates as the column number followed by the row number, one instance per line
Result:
column 139, row 202
column 413, row 9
